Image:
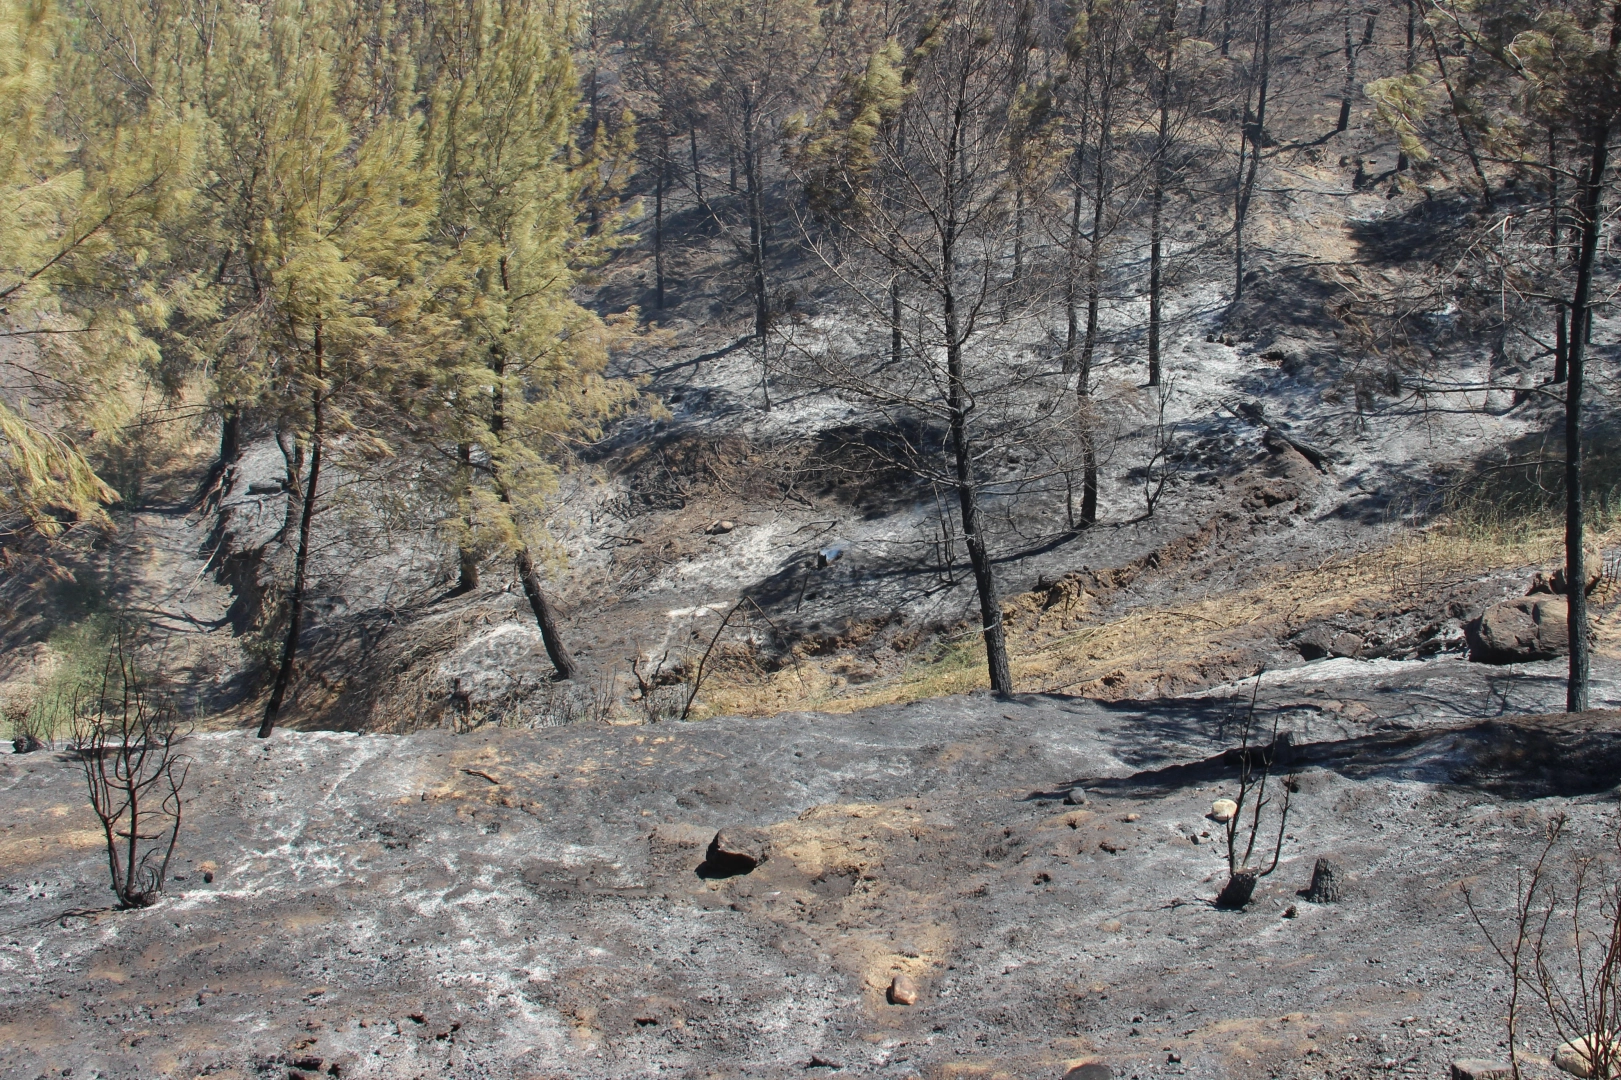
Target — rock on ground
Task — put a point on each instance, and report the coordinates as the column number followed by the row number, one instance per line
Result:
column 1515, row 631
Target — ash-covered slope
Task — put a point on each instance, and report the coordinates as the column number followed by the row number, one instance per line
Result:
column 531, row 903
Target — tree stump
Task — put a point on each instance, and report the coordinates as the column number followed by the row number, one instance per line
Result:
column 1327, row 883
column 1238, row 890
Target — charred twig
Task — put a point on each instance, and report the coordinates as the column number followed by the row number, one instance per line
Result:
column 127, row 745
column 1242, row 875
column 698, row 674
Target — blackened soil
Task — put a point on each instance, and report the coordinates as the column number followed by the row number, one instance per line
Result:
column 523, row 903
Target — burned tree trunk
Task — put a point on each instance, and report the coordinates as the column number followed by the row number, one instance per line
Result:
column 544, row 617
column 301, row 559
column 1327, row 883
column 990, row 603
column 1576, row 369
column 525, row 563
column 1238, row 891
column 466, row 552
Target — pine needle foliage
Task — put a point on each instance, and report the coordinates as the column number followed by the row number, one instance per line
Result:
column 82, row 184
column 530, row 386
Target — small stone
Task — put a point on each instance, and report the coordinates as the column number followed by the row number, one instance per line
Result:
column 208, row 877
column 1223, row 810
column 1131, row 817
column 1576, row 1056
column 1076, row 797
column 1290, row 912
column 1112, row 926
column 1479, row 1069
column 1174, row 1058
column 718, row 527
column 902, row 991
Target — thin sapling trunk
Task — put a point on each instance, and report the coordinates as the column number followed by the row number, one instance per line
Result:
column 1590, row 224
column 1255, row 775
column 301, row 558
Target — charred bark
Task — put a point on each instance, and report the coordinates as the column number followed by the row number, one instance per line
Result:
column 301, row 558
column 562, row 662
column 1590, row 224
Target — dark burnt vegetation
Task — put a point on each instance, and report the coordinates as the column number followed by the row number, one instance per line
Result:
column 872, row 469
column 1560, row 943
column 129, row 743
column 1250, row 820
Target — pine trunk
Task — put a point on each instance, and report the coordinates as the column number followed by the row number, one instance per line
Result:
column 697, row 173
column 301, row 559
column 1071, row 276
column 1350, row 74
column 990, row 603
column 1590, row 224
column 958, row 405
column 1561, row 343
column 1458, row 113
column 762, row 304
column 466, row 554
column 895, row 344
column 658, row 224
column 1255, row 136
column 1156, row 227
column 230, row 447
column 562, row 662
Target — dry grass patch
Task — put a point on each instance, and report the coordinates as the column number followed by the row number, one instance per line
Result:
column 1072, row 637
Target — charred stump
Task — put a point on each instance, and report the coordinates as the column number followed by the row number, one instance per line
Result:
column 1327, row 883
column 1238, row 890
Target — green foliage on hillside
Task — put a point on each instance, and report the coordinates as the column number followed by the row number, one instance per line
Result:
column 327, row 215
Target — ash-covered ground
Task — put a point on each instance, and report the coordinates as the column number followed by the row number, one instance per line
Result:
column 531, row 904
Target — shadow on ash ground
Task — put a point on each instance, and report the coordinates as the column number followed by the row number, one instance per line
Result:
column 527, row 903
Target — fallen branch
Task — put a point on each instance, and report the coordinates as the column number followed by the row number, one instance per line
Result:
column 1251, row 412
